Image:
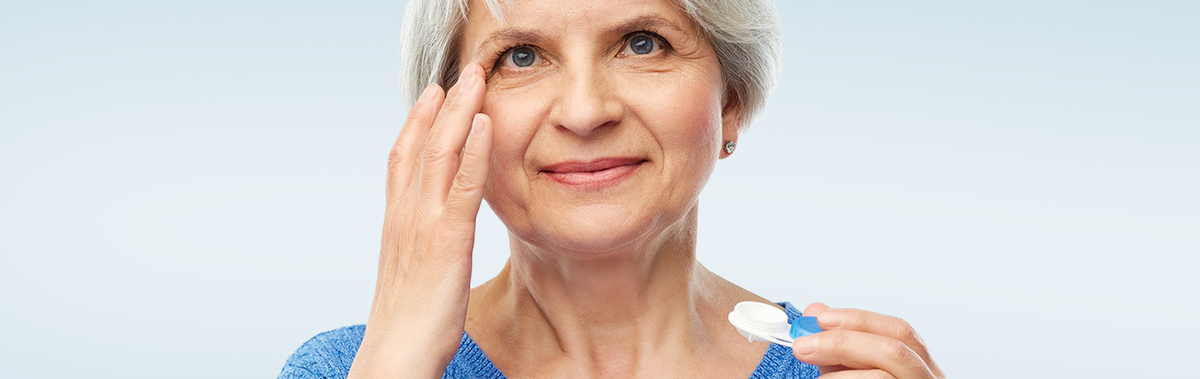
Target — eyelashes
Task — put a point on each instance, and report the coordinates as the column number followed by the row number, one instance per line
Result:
column 525, row 55
column 657, row 39
column 518, row 51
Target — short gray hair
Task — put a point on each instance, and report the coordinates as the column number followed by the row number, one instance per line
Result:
column 745, row 35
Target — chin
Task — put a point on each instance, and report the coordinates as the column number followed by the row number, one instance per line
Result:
column 598, row 231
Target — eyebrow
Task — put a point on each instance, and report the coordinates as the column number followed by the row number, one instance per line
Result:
column 506, row 35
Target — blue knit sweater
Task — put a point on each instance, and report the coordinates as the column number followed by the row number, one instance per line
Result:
column 329, row 354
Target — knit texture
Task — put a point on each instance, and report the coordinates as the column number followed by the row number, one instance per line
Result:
column 329, row 354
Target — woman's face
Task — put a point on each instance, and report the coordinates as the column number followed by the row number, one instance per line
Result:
column 607, row 119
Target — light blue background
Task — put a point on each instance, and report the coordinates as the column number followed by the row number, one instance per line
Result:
column 193, row 189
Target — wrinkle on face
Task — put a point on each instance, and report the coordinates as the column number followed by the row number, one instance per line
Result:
column 665, row 106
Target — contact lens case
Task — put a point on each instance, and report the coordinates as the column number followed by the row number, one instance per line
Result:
column 764, row 323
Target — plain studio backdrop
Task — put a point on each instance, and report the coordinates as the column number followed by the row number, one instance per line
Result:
column 194, row 189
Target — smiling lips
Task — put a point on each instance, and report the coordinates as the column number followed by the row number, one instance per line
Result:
column 592, row 174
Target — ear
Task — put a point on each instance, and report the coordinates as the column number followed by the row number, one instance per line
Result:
column 731, row 121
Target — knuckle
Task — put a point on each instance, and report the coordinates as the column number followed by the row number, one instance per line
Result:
column 470, row 154
column 435, row 152
column 464, row 182
column 899, row 352
column 394, row 155
column 467, row 177
column 896, row 351
column 907, row 331
column 397, row 157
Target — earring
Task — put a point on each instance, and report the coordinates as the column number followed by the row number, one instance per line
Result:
column 729, row 146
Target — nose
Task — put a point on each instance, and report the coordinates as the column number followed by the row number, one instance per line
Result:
column 586, row 103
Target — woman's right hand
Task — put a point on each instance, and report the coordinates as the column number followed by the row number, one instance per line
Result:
column 435, row 180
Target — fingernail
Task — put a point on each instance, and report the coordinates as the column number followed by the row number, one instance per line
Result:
column 426, row 95
column 467, row 78
column 476, row 124
column 805, row 345
column 831, row 318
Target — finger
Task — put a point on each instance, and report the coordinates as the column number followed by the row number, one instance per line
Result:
column 834, row 368
column 858, row 374
column 858, row 350
column 814, row 309
column 466, row 194
column 874, row 323
column 449, row 133
column 402, row 161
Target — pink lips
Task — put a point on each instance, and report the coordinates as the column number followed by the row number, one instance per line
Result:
column 593, row 174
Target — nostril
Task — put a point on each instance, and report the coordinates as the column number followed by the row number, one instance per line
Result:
column 584, row 107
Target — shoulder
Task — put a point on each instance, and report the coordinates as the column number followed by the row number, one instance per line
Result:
column 328, row 355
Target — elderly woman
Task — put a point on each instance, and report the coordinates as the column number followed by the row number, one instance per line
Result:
column 590, row 127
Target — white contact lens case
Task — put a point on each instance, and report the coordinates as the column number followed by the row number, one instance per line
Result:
column 763, row 322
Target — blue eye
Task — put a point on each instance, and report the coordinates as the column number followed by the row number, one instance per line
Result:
column 522, row 56
column 641, row 45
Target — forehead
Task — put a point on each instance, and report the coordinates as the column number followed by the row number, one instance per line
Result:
column 567, row 17
column 516, row 10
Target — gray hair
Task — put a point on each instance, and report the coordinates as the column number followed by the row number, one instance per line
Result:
column 745, row 35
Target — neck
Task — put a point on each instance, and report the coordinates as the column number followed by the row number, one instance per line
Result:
column 549, row 314
column 647, row 279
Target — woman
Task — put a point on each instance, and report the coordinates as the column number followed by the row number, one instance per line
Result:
column 590, row 128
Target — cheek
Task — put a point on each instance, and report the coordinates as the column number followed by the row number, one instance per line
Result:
column 695, row 145
column 684, row 115
column 702, row 125
column 515, row 117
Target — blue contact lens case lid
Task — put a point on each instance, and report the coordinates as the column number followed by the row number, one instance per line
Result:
column 804, row 326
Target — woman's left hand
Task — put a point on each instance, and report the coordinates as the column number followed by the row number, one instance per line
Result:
column 862, row 344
